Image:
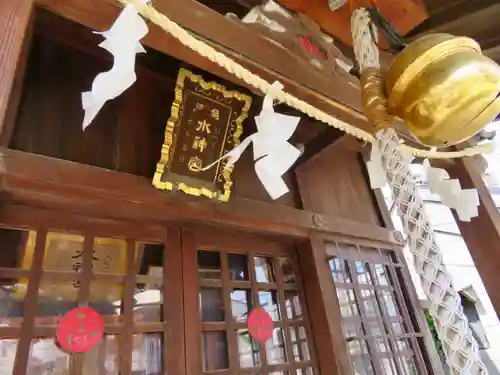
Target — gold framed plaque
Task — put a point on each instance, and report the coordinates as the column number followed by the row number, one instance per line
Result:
column 206, row 122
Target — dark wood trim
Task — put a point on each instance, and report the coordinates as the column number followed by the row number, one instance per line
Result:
column 173, row 307
column 256, row 303
column 16, row 20
column 258, row 54
column 77, row 359
column 192, row 317
column 323, row 308
column 127, row 333
column 482, row 233
column 86, row 190
column 30, row 306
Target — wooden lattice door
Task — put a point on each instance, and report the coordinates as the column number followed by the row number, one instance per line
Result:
column 225, row 278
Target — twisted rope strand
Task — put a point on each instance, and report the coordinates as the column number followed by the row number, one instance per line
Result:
column 161, row 20
column 459, row 346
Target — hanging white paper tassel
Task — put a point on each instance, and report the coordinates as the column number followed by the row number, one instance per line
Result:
column 375, row 169
column 464, row 202
column 273, row 154
column 122, row 41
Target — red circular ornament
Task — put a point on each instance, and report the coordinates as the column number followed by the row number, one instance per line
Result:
column 80, row 330
column 260, row 325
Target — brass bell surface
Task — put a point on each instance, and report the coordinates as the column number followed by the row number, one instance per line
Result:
column 443, row 88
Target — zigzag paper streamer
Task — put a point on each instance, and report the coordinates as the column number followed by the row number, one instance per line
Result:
column 122, row 41
column 464, row 201
column 273, row 154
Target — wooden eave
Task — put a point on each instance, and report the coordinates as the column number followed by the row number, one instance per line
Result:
column 246, row 46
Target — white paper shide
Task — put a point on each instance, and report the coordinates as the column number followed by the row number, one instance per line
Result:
column 123, row 42
column 464, row 201
column 272, row 153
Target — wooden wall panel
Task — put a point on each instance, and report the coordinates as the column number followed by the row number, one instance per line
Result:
column 15, row 31
column 334, row 183
column 126, row 135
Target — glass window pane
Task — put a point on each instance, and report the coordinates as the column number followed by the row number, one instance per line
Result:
column 8, row 349
column 238, row 267
column 211, row 305
column 214, row 351
column 388, row 366
column 339, row 270
column 16, row 245
column 241, row 304
column 347, row 302
column 280, row 373
column 209, row 265
column 275, row 348
column 110, row 255
column 382, row 274
column 299, row 344
column 264, row 270
column 150, row 259
column 46, row 358
column 362, row 273
column 293, row 306
column 104, row 358
column 287, row 270
column 362, row 365
column 148, row 302
column 11, row 302
column 147, row 354
column 305, row 371
column 268, row 300
column 248, row 349
column 106, row 299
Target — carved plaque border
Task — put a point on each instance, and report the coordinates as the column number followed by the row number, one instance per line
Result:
column 164, row 179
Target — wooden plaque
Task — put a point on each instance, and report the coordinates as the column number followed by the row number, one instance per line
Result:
column 206, row 122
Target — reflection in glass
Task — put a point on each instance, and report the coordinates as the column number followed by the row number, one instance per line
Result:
column 268, row 300
column 11, row 304
column 46, row 358
column 238, row 267
column 339, row 269
column 287, row 270
column 106, row 306
column 275, row 348
column 7, row 354
column 248, row 349
column 148, row 301
column 241, row 304
column 214, row 351
column 209, row 265
column 264, row 270
column 363, row 273
column 147, row 354
column 299, row 344
column 305, row 371
column 293, row 307
column 211, row 305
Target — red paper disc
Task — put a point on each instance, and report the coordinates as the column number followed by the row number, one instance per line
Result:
column 80, row 330
column 260, row 325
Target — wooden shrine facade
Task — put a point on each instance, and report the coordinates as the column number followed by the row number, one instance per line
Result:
column 324, row 259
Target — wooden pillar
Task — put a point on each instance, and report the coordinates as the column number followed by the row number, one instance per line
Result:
column 15, row 32
column 324, row 309
column 482, row 233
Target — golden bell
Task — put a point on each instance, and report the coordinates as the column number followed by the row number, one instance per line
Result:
column 443, row 88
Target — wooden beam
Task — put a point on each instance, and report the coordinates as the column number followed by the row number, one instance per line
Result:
column 70, row 187
column 482, row 234
column 15, row 21
column 319, row 143
column 258, row 54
